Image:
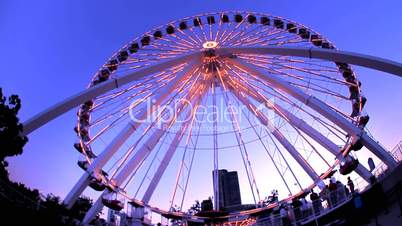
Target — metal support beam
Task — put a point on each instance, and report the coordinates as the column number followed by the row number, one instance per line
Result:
column 368, row 61
column 62, row 107
column 320, row 107
column 165, row 161
column 363, row 60
column 134, row 163
column 280, row 137
column 301, row 125
column 123, row 135
column 326, row 54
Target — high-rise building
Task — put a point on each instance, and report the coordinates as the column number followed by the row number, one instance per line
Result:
column 229, row 189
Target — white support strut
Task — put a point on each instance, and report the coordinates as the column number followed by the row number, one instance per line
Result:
column 325, row 54
column 132, row 165
column 320, row 107
column 58, row 109
column 363, row 60
column 280, row 137
column 121, row 137
column 62, row 107
column 302, row 125
column 165, row 161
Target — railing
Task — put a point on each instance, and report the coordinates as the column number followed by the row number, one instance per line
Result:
column 308, row 211
column 311, row 210
column 396, row 152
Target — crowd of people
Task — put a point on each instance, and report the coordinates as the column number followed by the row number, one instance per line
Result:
column 311, row 204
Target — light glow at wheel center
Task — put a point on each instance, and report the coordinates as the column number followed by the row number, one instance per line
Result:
column 210, row 45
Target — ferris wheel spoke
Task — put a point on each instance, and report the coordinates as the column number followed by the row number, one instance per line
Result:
column 284, row 39
column 218, row 31
column 293, row 60
column 201, row 28
column 295, row 122
column 129, row 129
column 233, row 30
column 237, row 35
column 163, row 164
column 195, row 35
column 138, row 156
column 171, row 150
column 135, row 145
column 309, row 71
column 281, row 138
column 323, row 78
column 131, row 166
column 147, row 92
column 108, row 97
column 121, row 109
column 243, row 152
column 330, row 127
column 243, row 83
column 308, row 82
column 292, row 119
column 319, row 107
column 288, row 166
column 289, row 82
column 263, row 37
column 298, row 41
column 178, row 47
column 148, row 58
column 125, row 112
column 146, row 175
column 190, row 43
column 321, row 90
column 245, row 35
column 234, row 35
column 268, row 151
column 174, row 42
column 182, row 163
column 187, row 35
column 215, row 147
column 134, row 161
column 160, row 115
column 177, row 40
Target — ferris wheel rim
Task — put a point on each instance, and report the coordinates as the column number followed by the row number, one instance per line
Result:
column 30, row 129
column 191, row 17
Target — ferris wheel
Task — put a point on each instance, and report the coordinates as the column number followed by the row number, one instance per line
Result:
column 207, row 92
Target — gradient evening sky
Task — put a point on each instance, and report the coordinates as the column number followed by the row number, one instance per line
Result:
column 50, row 49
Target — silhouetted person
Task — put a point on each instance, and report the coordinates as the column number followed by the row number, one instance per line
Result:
column 324, row 194
column 341, row 191
column 333, row 196
column 315, row 199
column 305, row 207
column 296, row 204
column 347, row 192
column 284, row 216
column 351, row 185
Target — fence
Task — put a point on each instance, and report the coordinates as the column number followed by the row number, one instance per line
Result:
column 396, row 152
column 312, row 210
column 308, row 211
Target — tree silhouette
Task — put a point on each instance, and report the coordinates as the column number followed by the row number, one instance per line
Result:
column 80, row 207
column 11, row 139
column 195, row 208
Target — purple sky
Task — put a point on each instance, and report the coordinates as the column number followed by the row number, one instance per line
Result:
column 50, row 49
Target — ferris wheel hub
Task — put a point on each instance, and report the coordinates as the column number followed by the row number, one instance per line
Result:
column 210, row 45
